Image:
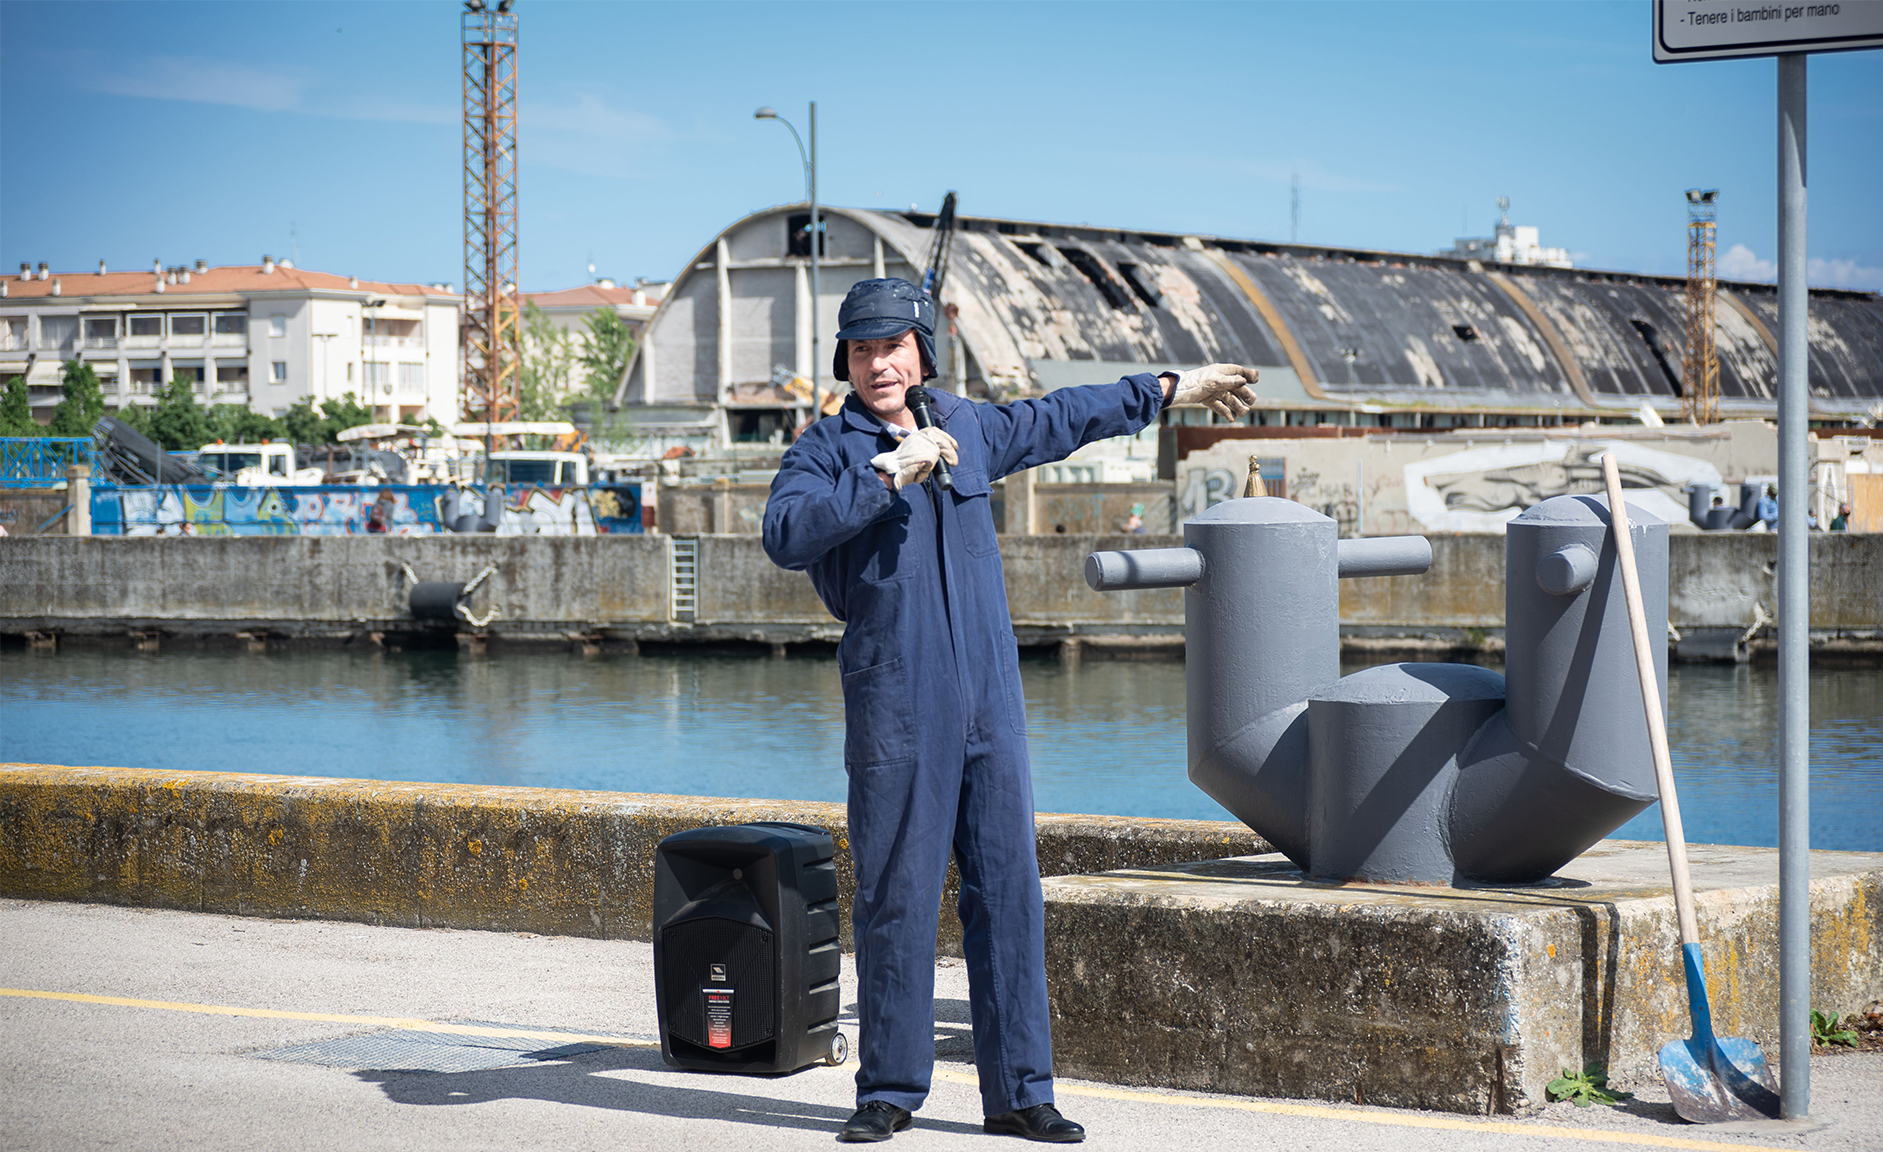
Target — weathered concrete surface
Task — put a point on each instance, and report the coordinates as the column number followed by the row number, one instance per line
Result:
column 436, row 855
column 1240, row 976
column 24, row 510
column 546, row 588
column 84, row 1075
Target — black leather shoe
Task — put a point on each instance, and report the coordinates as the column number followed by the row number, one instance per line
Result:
column 1041, row 1122
column 876, row 1120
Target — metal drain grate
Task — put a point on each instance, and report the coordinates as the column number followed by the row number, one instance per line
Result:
column 421, row 1051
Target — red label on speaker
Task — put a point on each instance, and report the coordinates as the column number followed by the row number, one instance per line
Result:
column 718, row 1016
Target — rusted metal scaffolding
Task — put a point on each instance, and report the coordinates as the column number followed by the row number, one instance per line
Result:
column 492, row 306
column 1700, row 369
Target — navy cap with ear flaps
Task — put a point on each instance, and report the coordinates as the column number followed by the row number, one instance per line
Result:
column 879, row 309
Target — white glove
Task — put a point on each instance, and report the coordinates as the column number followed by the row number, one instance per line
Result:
column 1222, row 388
column 914, row 456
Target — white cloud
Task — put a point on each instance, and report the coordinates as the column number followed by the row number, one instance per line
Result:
column 592, row 117
column 1742, row 263
column 1843, row 274
column 1313, row 177
column 198, row 80
column 1739, row 263
column 201, row 80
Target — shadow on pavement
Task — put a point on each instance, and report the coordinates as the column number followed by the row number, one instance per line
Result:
column 575, row 1082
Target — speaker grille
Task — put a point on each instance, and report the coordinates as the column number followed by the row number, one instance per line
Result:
column 691, row 949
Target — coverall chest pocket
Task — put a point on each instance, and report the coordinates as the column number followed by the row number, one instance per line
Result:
column 876, row 715
column 974, row 511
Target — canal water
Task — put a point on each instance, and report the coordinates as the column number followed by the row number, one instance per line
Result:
column 1106, row 737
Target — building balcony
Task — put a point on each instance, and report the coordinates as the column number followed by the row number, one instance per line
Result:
column 101, row 343
column 381, row 340
column 12, row 343
column 140, row 342
column 229, row 340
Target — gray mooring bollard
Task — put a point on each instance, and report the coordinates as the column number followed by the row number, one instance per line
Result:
column 1424, row 773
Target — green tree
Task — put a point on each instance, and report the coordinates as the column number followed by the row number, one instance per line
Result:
column 605, row 356
column 82, row 404
column 306, row 422
column 179, row 423
column 135, row 417
column 16, row 410
column 346, row 412
column 240, row 424
column 545, row 366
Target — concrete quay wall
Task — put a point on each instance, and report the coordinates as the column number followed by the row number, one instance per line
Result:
column 622, row 589
column 437, row 855
column 1241, row 976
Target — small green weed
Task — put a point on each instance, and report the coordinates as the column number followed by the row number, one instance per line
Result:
column 1824, row 1031
column 1589, row 1086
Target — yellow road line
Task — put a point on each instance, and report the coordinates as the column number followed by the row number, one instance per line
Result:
column 334, row 1018
column 1273, row 1108
column 1392, row 1120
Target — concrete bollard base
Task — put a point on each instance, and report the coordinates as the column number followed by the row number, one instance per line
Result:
column 1239, row 975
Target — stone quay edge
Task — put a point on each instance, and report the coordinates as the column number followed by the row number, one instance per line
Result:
column 550, row 861
column 1240, row 976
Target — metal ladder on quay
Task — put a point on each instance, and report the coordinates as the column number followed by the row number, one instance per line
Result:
column 684, row 564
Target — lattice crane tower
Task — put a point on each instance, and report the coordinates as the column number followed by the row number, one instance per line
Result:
column 1700, row 369
column 491, row 337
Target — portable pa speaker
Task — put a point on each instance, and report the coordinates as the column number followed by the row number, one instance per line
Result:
column 745, row 948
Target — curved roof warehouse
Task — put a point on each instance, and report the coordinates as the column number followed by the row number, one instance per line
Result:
column 1341, row 335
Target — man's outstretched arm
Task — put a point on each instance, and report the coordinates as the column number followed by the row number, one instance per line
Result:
column 1028, row 433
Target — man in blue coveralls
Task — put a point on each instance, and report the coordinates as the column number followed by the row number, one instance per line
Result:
column 935, row 723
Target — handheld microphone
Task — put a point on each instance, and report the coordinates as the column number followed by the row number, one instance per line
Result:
column 922, row 408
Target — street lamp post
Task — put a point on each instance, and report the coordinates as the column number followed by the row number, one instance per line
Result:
column 817, row 237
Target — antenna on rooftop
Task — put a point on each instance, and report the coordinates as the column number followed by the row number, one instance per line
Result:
column 1294, row 208
column 1503, row 211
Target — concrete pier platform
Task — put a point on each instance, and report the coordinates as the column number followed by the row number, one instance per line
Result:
column 154, row 1029
column 1239, row 975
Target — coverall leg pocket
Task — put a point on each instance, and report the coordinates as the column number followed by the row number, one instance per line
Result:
column 876, row 707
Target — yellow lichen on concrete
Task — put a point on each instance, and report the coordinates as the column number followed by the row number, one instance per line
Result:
column 447, row 855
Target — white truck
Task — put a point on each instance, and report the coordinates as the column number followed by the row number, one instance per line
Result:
column 269, row 465
column 543, row 469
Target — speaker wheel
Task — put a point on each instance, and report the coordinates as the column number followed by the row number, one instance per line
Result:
column 839, row 1049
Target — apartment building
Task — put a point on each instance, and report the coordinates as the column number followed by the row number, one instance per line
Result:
column 264, row 335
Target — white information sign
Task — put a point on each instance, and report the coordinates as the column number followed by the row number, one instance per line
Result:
column 1718, row 29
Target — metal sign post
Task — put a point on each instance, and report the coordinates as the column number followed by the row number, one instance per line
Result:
column 1794, row 605
column 1717, row 30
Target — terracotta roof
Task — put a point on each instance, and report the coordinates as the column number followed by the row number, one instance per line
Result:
column 216, row 281
column 590, row 296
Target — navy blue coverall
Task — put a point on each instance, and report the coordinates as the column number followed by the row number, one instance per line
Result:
column 935, row 723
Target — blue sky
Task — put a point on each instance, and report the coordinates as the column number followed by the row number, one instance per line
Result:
column 183, row 131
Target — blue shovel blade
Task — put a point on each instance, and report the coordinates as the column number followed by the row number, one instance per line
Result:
column 1712, row 1080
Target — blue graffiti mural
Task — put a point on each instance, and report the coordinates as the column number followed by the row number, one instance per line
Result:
column 349, row 510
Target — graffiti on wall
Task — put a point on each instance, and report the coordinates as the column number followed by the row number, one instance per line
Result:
column 1482, row 489
column 347, row 510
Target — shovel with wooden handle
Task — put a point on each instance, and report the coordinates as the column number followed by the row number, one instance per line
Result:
column 1711, row 1079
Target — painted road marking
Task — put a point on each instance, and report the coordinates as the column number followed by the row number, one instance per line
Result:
column 409, row 1023
column 1309, row 1111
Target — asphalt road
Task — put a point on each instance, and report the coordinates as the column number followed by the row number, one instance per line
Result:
column 154, row 1032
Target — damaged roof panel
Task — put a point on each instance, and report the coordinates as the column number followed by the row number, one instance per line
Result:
column 1352, row 325
column 1395, row 327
